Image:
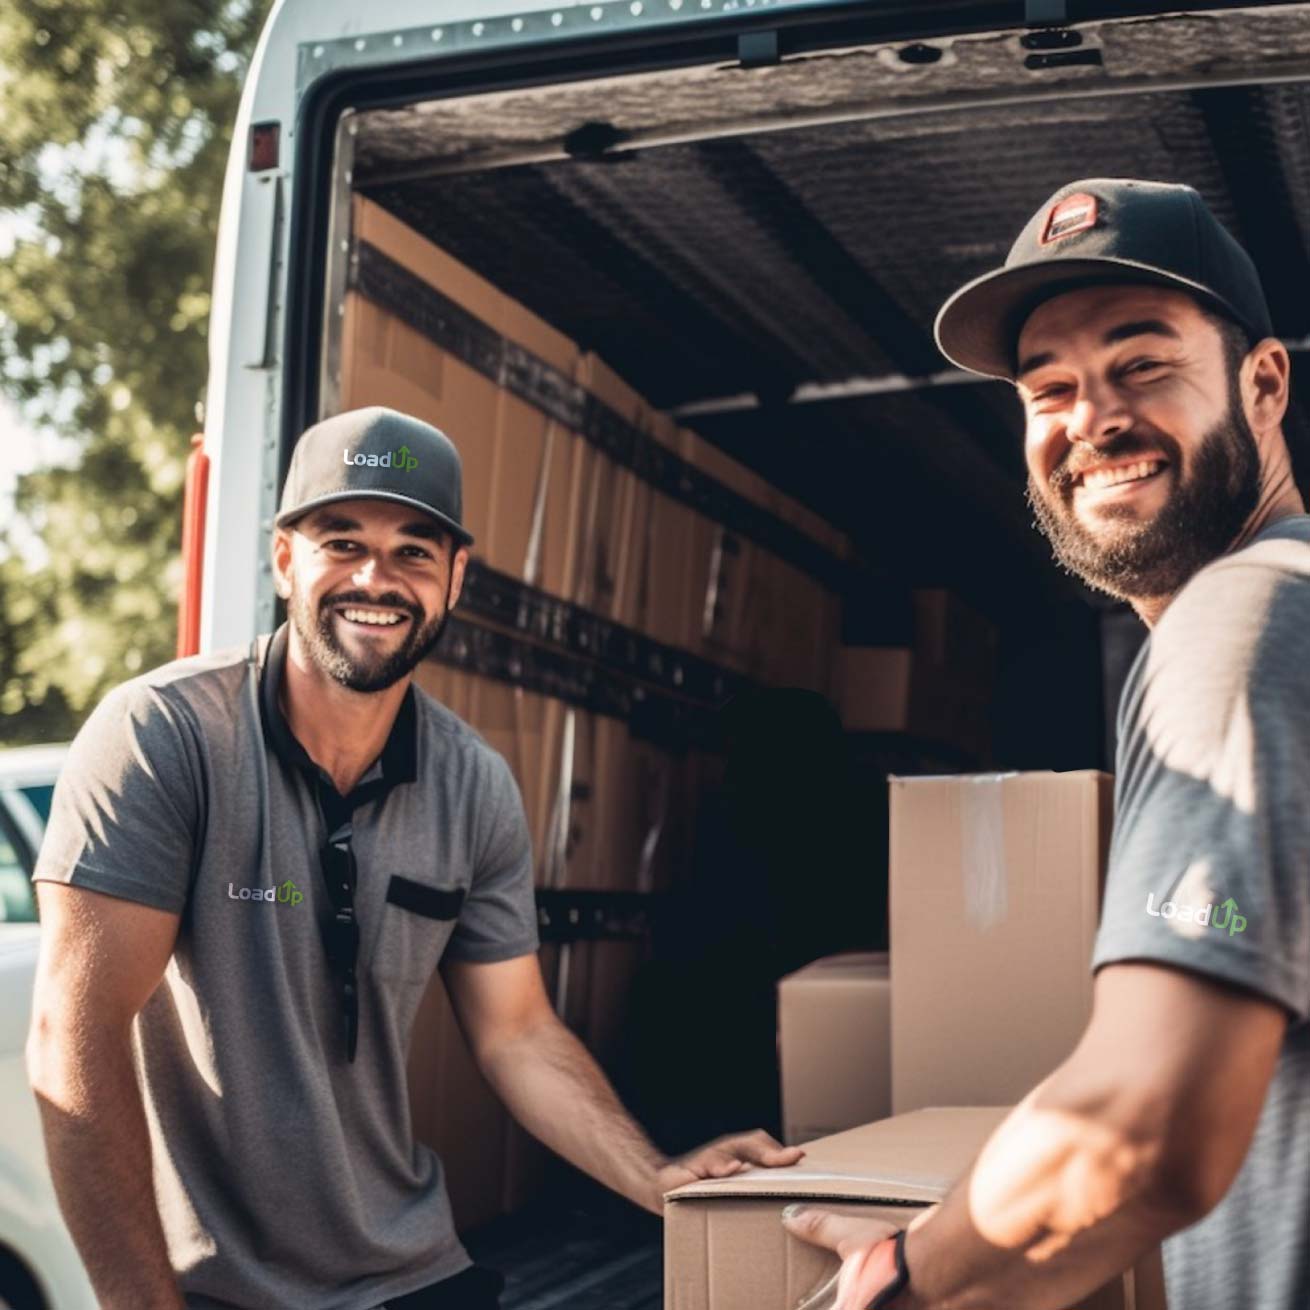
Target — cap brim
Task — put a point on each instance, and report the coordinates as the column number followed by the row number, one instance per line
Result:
column 288, row 517
column 978, row 327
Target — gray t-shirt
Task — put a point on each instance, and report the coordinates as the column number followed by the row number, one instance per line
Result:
column 286, row 1176
column 1212, row 808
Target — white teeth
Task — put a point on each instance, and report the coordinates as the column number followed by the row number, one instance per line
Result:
column 1124, row 473
column 371, row 616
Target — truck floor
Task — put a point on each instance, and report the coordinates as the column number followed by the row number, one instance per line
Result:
column 584, row 1257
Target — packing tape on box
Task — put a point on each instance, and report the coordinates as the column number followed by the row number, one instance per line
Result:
column 982, row 845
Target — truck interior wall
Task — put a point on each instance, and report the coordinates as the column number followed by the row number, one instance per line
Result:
column 608, row 809
column 614, row 807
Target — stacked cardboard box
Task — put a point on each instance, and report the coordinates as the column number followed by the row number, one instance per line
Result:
column 725, row 1247
column 834, row 1042
column 606, row 810
column 548, row 506
column 996, row 884
column 938, row 687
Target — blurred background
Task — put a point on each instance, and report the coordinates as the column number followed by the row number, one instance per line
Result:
column 114, row 126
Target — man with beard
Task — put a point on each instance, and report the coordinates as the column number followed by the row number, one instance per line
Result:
column 1136, row 332
column 255, row 861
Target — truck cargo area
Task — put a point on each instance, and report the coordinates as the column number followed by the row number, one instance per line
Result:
column 678, row 319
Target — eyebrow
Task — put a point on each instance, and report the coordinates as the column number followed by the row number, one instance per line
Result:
column 423, row 528
column 1139, row 328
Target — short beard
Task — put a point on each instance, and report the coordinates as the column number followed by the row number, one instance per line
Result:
column 1199, row 521
column 368, row 675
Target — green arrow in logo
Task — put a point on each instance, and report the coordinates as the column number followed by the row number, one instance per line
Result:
column 1233, row 921
column 404, row 460
column 289, row 894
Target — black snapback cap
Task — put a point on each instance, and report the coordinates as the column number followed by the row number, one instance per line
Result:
column 1094, row 232
column 376, row 454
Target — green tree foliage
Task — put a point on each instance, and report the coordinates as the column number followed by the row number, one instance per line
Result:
column 115, row 117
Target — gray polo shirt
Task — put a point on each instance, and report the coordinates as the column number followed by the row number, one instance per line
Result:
column 1210, row 872
column 287, row 1177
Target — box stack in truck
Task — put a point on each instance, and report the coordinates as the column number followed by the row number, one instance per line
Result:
column 903, row 1065
column 628, row 578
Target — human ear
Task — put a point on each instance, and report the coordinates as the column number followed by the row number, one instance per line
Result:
column 457, row 567
column 1265, row 379
column 281, row 553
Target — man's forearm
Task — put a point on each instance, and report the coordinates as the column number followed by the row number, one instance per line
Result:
column 553, row 1087
column 99, row 1151
column 1057, row 1204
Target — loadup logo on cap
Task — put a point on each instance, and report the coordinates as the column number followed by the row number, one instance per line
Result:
column 1206, row 916
column 400, row 459
column 287, row 894
column 1074, row 213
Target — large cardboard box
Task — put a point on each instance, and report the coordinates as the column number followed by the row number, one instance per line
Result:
column 725, row 1247
column 834, row 1040
column 995, row 894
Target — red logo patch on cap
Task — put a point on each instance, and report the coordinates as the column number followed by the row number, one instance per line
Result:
column 1074, row 213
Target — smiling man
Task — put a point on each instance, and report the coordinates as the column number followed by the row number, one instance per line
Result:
column 1154, row 392
column 255, row 861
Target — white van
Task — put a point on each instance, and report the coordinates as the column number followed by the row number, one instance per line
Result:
column 665, row 271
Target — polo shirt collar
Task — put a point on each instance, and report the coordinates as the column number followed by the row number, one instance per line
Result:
column 398, row 761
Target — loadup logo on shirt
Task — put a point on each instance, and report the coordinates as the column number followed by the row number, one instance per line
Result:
column 1207, row 916
column 394, row 459
column 287, row 894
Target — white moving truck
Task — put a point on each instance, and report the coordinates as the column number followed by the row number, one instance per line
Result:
column 666, row 270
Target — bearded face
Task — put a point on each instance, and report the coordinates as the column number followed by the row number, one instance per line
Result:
column 369, row 586
column 1142, row 463
column 1128, row 554
column 348, row 652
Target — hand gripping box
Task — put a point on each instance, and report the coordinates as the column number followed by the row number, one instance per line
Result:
column 725, row 1247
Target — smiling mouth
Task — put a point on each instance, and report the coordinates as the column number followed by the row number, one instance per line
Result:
column 1120, row 478
column 370, row 620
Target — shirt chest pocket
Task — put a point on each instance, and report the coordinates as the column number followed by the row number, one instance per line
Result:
column 417, row 921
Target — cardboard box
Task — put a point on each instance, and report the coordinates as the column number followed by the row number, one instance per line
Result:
column 725, row 1247
column 995, row 894
column 939, row 687
column 834, row 1038
column 521, row 468
column 890, row 689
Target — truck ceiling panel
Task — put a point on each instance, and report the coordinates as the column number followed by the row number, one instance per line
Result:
column 1262, row 45
column 728, row 245
column 755, row 264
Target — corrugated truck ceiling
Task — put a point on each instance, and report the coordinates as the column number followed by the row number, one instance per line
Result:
column 736, row 241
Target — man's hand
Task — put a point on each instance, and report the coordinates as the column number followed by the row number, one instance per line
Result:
column 854, row 1240
column 725, row 1157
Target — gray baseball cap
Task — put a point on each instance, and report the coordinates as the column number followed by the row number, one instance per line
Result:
column 376, row 454
column 1093, row 232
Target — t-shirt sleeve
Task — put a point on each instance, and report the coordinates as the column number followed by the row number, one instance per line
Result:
column 1209, row 864
column 125, row 812
column 498, row 920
